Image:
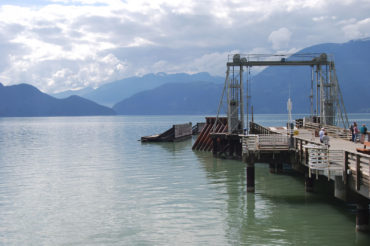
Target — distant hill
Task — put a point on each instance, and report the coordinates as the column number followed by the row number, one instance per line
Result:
column 111, row 93
column 270, row 88
column 26, row 100
column 174, row 98
column 68, row 93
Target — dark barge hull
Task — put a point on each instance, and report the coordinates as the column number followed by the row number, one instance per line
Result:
column 175, row 133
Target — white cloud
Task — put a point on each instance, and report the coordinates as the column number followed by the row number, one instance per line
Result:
column 69, row 44
column 280, row 38
column 357, row 29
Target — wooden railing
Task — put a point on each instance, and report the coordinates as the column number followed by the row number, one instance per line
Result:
column 331, row 130
column 273, row 142
column 258, row 129
column 355, row 166
column 359, row 166
column 265, row 142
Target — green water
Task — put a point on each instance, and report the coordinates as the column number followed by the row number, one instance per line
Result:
column 88, row 181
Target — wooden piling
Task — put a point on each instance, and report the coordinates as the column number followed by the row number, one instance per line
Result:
column 340, row 188
column 250, row 175
column 272, row 167
column 279, row 167
column 308, row 183
column 362, row 217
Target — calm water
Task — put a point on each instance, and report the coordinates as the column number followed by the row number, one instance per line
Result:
column 88, row 181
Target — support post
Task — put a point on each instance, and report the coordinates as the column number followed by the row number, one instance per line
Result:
column 362, row 217
column 308, row 183
column 241, row 96
column 358, row 172
column 279, row 167
column 250, row 175
column 272, row 167
column 346, row 167
column 340, row 190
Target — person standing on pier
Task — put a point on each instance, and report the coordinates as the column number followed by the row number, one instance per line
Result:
column 325, row 139
column 351, row 128
column 363, row 131
column 321, row 134
column 355, row 132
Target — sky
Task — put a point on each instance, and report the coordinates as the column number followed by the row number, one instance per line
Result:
column 58, row 45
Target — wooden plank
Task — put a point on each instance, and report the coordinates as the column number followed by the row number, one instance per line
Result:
column 358, row 172
column 345, row 175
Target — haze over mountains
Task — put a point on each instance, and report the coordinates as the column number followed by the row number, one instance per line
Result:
column 111, row 93
column 200, row 93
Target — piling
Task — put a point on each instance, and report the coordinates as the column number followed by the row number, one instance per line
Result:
column 362, row 217
column 279, row 168
column 340, row 189
column 250, row 175
column 272, row 167
column 308, row 183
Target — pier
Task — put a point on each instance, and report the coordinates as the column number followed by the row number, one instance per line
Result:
column 344, row 168
column 294, row 145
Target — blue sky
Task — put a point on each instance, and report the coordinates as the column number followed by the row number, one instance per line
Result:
column 70, row 44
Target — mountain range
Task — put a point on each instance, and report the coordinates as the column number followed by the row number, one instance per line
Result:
column 111, row 93
column 26, row 100
column 172, row 98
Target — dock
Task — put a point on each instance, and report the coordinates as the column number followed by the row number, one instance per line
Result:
column 340, row 164
column 177, row 132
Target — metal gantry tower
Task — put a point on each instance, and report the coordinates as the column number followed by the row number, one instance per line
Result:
column 328, row 108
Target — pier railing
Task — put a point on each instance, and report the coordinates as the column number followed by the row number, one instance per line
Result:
column 258, row 129
column 324, row 161
column 272, row 142
column 353, row 167
column 358, row 165
column 334, row 131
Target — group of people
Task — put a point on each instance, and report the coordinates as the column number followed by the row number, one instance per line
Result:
column 324, row 138
column 355, row 132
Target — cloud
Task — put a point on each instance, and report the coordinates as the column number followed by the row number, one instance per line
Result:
column 280, row 38
column 357, row 29
column 68, row 44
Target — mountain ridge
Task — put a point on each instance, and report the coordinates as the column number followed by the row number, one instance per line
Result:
column 113, row 92
column 24, row 100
